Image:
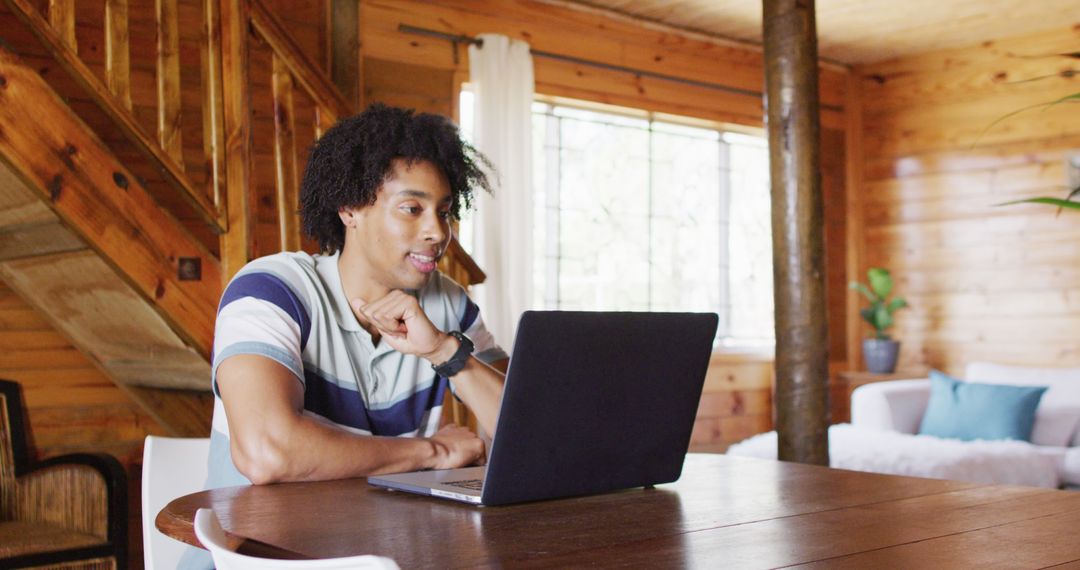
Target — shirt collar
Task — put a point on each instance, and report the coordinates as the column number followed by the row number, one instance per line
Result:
column 327, row 267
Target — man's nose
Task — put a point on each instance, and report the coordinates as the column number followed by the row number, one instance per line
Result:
column 434, row 228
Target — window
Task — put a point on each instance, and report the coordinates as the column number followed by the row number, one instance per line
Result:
column 637, row 213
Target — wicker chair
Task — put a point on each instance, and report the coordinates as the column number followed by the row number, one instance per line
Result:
column 64, row 512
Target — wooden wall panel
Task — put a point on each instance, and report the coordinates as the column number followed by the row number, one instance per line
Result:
column 986, row 282
column 592, row 37
column 426, row 89
column 833, row 166
column 266, row 228
column 308, row 23
column 736, row 402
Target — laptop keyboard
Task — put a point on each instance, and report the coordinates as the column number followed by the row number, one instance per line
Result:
column 471, row 484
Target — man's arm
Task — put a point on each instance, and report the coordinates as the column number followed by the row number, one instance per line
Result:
column 479, row 385
column 272, row 441
column 403, row 324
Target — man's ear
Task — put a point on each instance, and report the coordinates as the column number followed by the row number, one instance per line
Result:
column 348, row 217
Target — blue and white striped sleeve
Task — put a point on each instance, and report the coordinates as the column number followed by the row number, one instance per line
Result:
column 260, row 314
column 472, row 325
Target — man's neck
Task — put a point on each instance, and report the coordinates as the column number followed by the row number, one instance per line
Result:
column 356, row 282
column 358, row 287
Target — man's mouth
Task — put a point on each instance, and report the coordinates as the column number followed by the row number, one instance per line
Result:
column 423, row 263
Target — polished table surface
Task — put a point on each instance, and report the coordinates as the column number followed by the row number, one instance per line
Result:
column 724, row 511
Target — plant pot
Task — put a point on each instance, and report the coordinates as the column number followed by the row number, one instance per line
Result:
column 880, row 355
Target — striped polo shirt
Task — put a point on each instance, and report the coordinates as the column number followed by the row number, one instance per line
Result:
column 290, row 307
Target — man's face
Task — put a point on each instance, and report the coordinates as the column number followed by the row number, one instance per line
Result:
column 398, row 239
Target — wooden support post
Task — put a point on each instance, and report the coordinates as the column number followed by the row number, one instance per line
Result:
column 802, row 364
column 236, row 243
column 117, row 51
column 213, row 127
column 285, row 158
column 345, row 49
column 168, row 79
column 62, row 19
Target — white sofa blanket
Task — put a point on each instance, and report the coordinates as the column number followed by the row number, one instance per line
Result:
column 999, row 462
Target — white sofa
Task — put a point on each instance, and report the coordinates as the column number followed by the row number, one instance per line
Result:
column 898, row 406
column 882, row 437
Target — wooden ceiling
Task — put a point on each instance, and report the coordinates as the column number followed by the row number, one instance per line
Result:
column 862, row 31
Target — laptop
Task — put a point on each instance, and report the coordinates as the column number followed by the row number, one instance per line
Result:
column 593, row 402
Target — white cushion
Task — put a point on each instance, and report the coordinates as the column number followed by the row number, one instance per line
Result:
column 1003, row 462
column 896, row 405
column 1070, row 472
column 1058, row 415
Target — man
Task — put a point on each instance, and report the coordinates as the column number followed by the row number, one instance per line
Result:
column 322, row 363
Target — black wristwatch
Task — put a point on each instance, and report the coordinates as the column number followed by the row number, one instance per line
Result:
column 458, row 360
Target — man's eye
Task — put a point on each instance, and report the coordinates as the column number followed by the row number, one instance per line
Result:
column 445, row 215
column 411, row 209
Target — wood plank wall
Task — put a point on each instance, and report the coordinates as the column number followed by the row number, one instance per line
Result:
column 424, row 73
column 986, row 282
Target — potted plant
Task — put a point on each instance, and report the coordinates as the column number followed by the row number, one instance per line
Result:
column 880, row 351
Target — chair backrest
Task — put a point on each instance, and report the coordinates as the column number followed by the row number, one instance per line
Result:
column 172, row 467
column 212, row 536
column 13, row 434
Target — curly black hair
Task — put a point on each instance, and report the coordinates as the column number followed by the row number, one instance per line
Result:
column 353, row 159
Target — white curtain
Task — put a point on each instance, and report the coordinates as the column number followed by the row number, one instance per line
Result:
column 501, row 74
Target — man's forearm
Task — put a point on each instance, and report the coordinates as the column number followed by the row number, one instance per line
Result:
column 480, row 386
column 308, row 450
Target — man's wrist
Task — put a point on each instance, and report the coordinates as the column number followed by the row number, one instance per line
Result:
column 438, row 452
column 457, row 361
column 446, row 348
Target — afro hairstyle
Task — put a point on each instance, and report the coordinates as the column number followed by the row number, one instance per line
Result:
column 355, row 157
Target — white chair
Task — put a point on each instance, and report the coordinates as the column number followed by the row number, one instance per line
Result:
column 213, row 537
column 172, row 467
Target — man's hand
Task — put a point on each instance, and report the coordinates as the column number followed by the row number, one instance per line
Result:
column 456, row 446
column 401, row 321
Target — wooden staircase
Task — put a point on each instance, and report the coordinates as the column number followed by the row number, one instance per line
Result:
column 123, row 235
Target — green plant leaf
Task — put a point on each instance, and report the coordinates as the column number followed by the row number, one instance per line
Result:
column 882, row 318
column 1059, row 202
column 868, row 315
column 897, row 304
column 1044, row 106
column 880, row 282
column 1002, row 118
column 1065, row 99
column 862, row 289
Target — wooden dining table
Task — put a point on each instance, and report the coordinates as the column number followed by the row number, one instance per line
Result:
column 723, row 512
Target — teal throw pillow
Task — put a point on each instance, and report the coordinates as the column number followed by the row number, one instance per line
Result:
column 969, row 410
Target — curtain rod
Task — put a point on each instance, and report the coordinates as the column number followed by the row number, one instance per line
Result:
column 469, row 40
